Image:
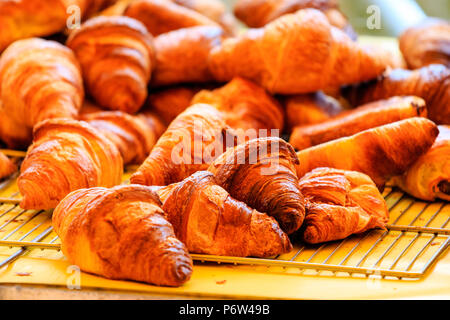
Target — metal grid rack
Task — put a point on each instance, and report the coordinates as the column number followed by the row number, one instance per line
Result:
column 417, row 235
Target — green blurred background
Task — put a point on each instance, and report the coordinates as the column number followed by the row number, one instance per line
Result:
column 396, row 15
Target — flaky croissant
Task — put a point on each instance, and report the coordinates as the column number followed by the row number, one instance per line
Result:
column 66, row 155
column 381, row 153
column 340, row 203
column 209, row 221
column 215, row 10
column 432, row 83
column 191, row 142
column 7, row 167
column 132, row 135
column 21, row 19
column 306, row 109
column 258, row 13
column 182, row 55
column 296, row 53
column 426, row 43
column 162, row 16
column 362, row 118
column 245, row 106
column 261, row 173
column 117, row 58
column 39, row 80
column 429, row 177
column 121, row 233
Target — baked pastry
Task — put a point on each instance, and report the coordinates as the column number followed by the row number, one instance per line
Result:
column 430, row 83
column 7, row 167
column 426, row 43
column 429, row 177
column 258, row 13
column 121, row 233
column 39, row 80
column 340, row 203
column 306, row 109
column 245, row 105
column 261, row 173
column 169, row 102
column 132, row 135
column 296, row 53
column 66, row 155
column 182, row 55
column 381, row 153
column 162, row 16
column 21, row 19
column 209, row 221
column 362, row 118
column 191, row 142
column 117, row 58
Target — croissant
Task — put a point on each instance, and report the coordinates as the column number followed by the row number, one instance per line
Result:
column 168, row 103
column 306, row 109
column 39, row 80
column 297, row 53
column 429, row 177
column 132, row 135
column 121, row 233
column 7, row 167
column 209, row 221
column 340, row 203
column 261, row 173
column 182, row 55
column 116, row 55
column 191, row 142
column 362, row 118
column 426, row 43
column 66, row 155
column 162, row 16
column 215, row 10
column 245, row 106
column 430, row 83
column 258, row 13
column 21, row 19
column 381, row 153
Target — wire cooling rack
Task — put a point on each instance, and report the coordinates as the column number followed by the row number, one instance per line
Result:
column 418, row 233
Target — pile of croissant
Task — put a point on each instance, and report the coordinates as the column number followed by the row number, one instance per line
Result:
column 139, row 78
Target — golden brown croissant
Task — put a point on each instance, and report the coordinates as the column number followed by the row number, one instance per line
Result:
column 7, row 167
column 431, row 83
column 306, row 109
column 182, row 55
column 121, row 233
column 245, row 106
column 427, row 43
column 215, row 10
column 209, row 221
column 130, row 134
column 39, row 80
column 162, row 16
column 191, row 142
column 429, row 177
column 340, row 203
column 261, row 173
column 362, row 118
column 258, row 13
column 66, row 155
column 297, row 53
column 168, row 103
column 117, row 57
column 381, row 153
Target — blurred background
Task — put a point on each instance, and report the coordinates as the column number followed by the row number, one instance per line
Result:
column 395, row 15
